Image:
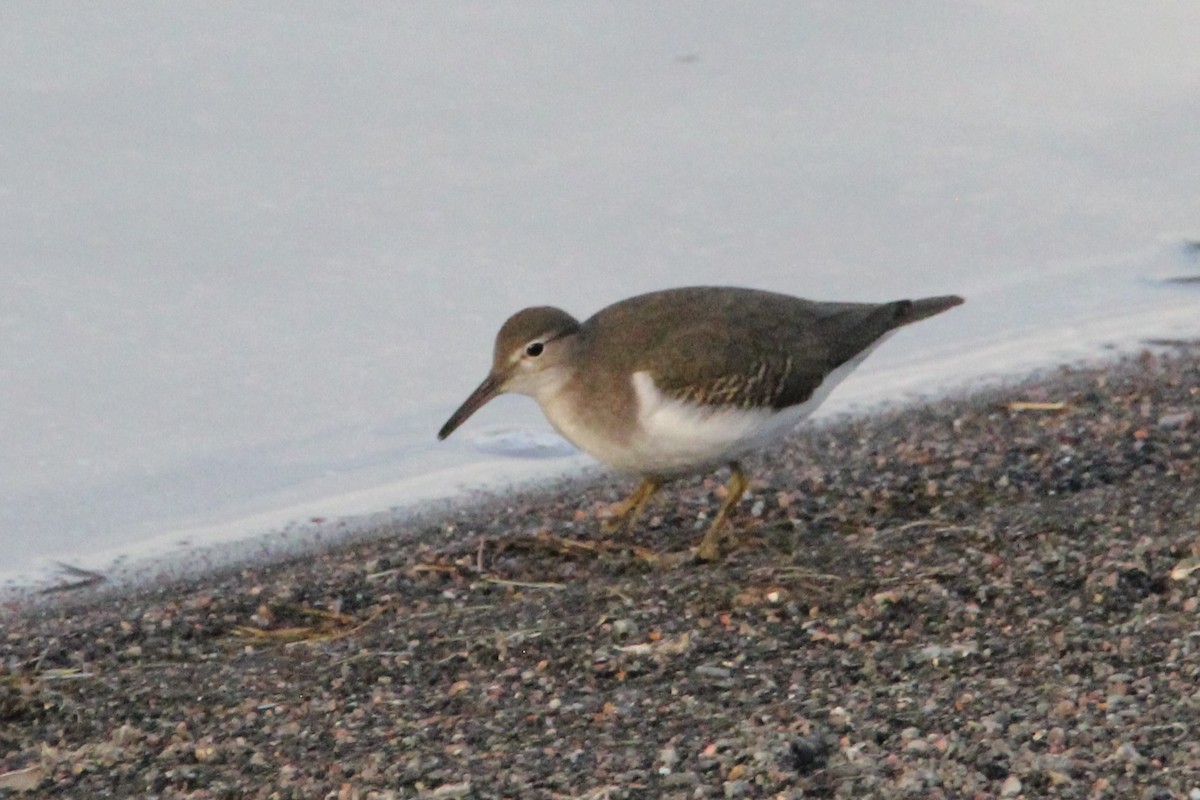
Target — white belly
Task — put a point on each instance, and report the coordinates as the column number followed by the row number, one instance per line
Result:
column 675, row 438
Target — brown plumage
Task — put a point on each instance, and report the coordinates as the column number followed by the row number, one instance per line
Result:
column 722, row 346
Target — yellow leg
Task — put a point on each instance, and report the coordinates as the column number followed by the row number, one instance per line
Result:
column 627, row 513
column 710, row 546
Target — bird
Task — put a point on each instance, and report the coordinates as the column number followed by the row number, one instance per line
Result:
column 685, row 381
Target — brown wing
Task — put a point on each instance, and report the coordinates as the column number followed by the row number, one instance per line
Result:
column 700, row 366
column 743, row 347
column 740, row 347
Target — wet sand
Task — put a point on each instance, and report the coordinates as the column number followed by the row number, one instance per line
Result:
column 993, row 596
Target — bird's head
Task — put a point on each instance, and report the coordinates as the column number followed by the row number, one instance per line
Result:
column 530, row 358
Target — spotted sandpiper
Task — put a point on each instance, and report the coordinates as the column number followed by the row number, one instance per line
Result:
column 686, row 380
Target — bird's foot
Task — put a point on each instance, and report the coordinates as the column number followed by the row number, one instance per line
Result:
column 624, row 515
column 708, row 550
column 611, row 526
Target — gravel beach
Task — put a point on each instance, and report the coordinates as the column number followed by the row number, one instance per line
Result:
column 988, row 597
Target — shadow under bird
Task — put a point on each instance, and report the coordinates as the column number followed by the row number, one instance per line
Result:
column 682, row 381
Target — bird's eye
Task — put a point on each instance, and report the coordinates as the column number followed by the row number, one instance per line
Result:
column 534, row 349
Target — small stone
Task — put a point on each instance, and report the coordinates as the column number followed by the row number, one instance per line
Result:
column 681, row 780
column 1177, row 420
column 1127, row 752
column 624, row 627
column 451, row 790
column 737, row 788
column 1011, row 786
column 808, row 754
column 839, row 717
column 708, row 671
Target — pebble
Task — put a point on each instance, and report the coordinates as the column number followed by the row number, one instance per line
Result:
column 624, row 627
column 719, row 673
column 1175, row 420
column 738, row 788
column 1011, row 787
column 681, row 780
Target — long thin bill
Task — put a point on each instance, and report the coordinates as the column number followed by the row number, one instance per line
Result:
column 484, row 392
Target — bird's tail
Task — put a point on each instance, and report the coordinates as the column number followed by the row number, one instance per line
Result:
column 908, row 311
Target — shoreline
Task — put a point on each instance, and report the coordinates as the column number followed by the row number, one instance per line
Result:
column 953, row 599
column 275, row 532
column 319, row 530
